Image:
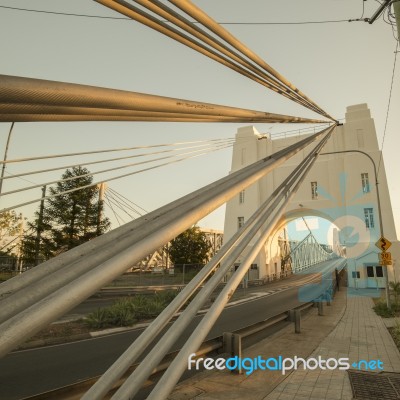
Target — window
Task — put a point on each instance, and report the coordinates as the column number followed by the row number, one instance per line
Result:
column 369, row 218
column 314, row 190
column 365, row 182
column 370, row 272
column 240, row 222
column 355, row 274
column 241, row 197
column 374, row 271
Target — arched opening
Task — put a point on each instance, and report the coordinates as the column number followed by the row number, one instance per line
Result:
column 302, row 238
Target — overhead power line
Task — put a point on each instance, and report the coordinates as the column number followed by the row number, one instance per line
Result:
column 388, row 107
column 194, row 22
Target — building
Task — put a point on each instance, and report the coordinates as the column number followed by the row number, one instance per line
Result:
column 340, row 188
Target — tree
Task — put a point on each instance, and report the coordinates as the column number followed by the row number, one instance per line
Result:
column 68, row 219
column 190, row 247
column 9, row 226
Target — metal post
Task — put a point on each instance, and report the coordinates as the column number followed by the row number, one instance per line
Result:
column 3, row 169
column 320, row 306
column 379, row 11
column 297, row 321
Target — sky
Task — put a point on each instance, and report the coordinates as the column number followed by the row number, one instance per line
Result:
column 335, row 64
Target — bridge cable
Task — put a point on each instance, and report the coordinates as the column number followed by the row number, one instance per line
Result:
column 108, row 203
column 18, row 160
column 65, row 281
column 122, row 197
column 32, row 100
column 107, row 179
column 279, row 84
column 110, row 160
column 77, row 177
column 177, row 19
column 170, row 377
column 118, row 369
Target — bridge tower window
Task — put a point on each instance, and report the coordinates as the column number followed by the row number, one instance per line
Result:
column 365, row 182
column 314, row 190
column 241, row 197
column 369, row 218
column 240, row 222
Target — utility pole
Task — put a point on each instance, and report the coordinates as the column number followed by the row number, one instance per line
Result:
column 21, row 235
column 396, row 8
column 39, row 227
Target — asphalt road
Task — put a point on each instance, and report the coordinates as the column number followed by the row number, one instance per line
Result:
column 29, row 372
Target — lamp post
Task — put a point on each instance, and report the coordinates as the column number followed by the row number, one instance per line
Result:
column 378, row 203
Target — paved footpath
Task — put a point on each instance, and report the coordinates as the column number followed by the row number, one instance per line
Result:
column 348, row 328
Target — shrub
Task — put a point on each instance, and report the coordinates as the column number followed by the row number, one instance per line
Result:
column 121, row 315
column 382, row 310
column 98, row 319
column 125, row 311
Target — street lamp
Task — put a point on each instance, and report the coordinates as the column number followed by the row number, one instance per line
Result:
column 379, row 206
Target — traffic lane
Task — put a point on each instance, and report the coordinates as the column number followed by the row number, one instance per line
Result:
column 30, row 372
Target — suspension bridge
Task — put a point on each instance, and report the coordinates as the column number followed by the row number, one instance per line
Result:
column 39, row 296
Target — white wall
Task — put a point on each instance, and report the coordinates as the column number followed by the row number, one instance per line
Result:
column 340, row 195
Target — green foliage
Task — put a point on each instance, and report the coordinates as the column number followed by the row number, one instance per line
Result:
column 98, row 319
column 124, row 312
column 382, row 309
column 10, row 224
column 68, row 219
column 190, row 247
column 395, row 332
column 395, row 287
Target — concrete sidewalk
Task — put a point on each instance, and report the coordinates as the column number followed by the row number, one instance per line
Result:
column 348, row 328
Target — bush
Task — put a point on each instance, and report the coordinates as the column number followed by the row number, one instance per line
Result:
column 124, row 312
column 120, row 315
column 98, row 319
column 382, row 310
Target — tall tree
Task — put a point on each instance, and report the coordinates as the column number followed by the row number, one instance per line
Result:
column 190, row 247
column 68, row 219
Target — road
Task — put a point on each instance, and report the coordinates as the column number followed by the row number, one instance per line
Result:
column 29, row 372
